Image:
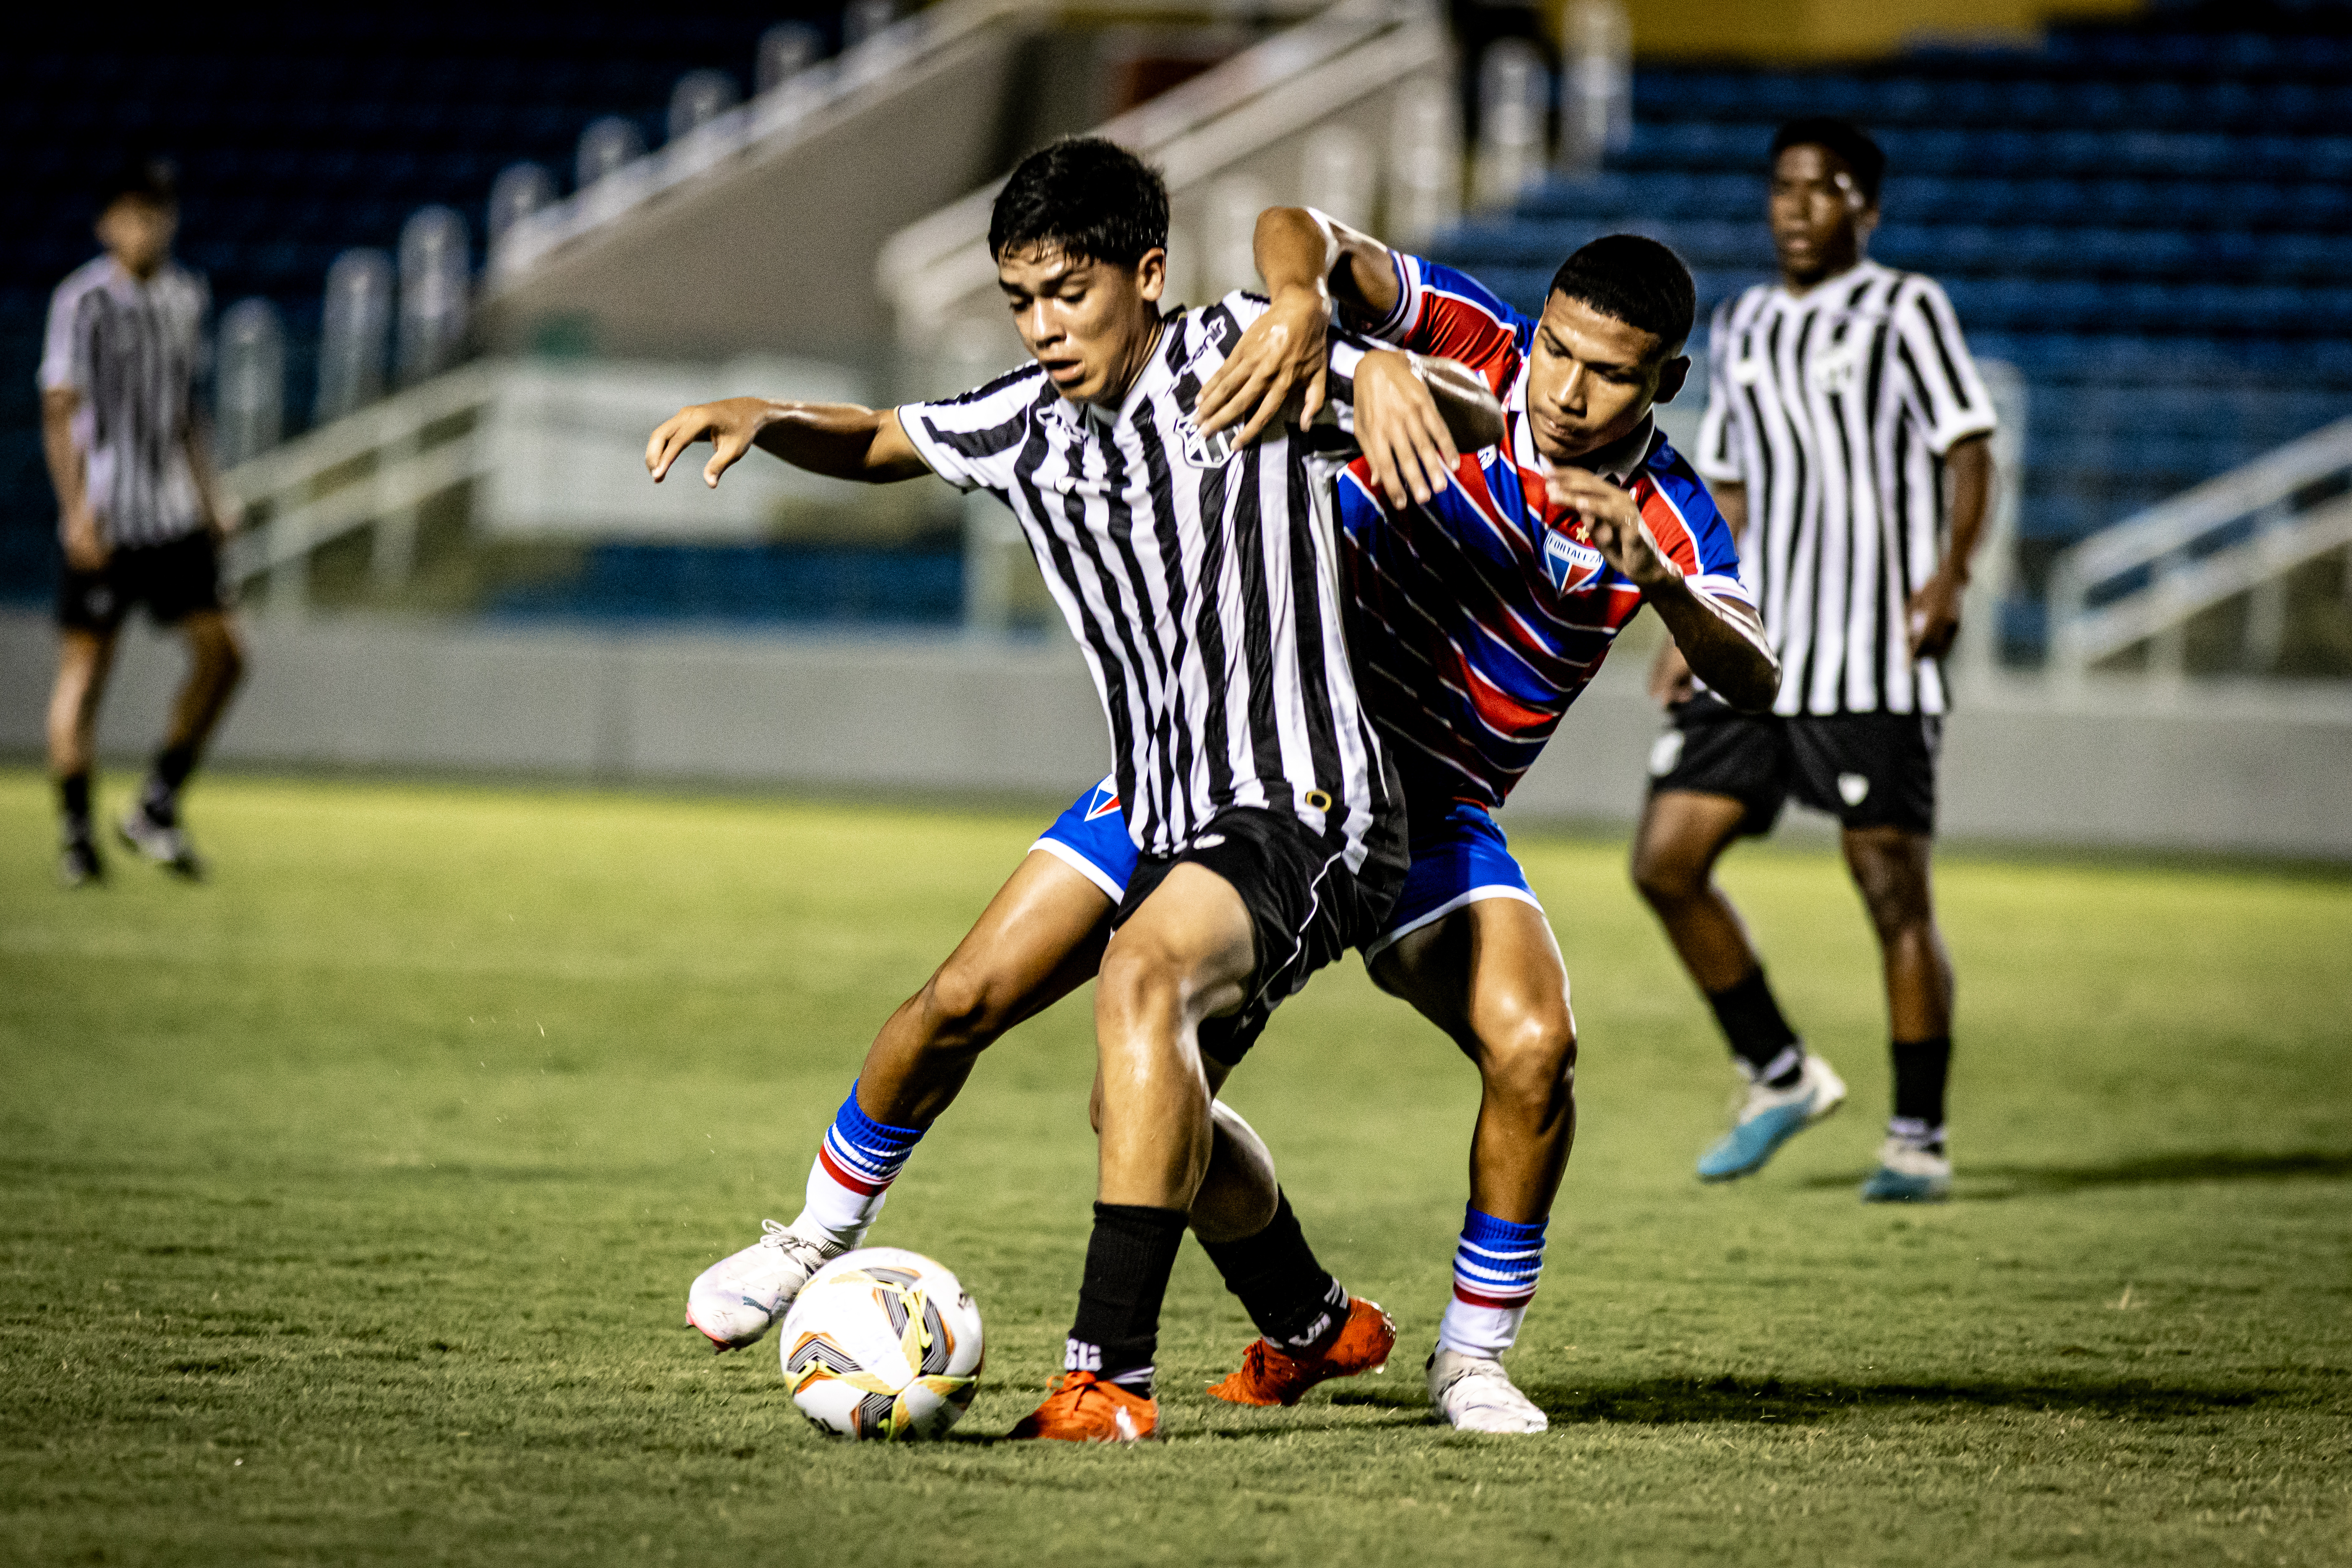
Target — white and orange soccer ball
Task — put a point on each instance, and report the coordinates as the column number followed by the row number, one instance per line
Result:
column 882, row 1343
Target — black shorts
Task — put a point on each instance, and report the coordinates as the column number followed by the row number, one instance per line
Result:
column 1867, row 770
column 175, row 580
column 1306, row 908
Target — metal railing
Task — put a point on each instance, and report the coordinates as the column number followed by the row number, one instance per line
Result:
column 2142, row 581
column 370, row 469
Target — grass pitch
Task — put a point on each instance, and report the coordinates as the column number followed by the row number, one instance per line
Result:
column 351, row 1202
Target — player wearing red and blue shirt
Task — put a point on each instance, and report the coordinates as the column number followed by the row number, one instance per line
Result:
column 1486, row 588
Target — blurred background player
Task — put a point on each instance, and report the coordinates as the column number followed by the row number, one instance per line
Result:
column 1846, row 438
column 139, row 511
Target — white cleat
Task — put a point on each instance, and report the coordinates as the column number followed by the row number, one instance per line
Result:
column 1474, row 1394
column 1908, row 1174
column 166, row 845
column 739, row 1299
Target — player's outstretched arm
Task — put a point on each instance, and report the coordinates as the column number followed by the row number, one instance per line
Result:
column 840, row 440
column 1307, row 260
column 1721, row 639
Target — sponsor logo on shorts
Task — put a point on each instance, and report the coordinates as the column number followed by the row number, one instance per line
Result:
column 1208, row 841
column 1665, row 754
column 1854, row 788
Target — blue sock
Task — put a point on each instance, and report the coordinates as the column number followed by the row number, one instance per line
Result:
column 852, row 1174
column 1496, row 1265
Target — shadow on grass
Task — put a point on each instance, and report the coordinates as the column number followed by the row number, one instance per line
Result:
column 1666, row 1401
column 1989, row 1183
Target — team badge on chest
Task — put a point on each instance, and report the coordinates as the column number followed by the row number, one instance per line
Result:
column 1214, row 451
column 1568, row 561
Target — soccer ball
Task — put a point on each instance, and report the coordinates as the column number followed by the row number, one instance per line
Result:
column 882, row 1342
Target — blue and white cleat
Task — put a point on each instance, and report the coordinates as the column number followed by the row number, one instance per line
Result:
column 741, row 1296
column 1908, row 1174
column 1770, row 1117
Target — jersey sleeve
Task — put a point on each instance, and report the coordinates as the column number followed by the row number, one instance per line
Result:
column 1719, row 445
column 974, row 441
column 65, row 343
column 1688, row 531
column 1453, row 316
column 1945, row 386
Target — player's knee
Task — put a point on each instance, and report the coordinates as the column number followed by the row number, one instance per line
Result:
column 966, row 1007
column 1531, row 1059
column 1138, row 975
column 1664, row 878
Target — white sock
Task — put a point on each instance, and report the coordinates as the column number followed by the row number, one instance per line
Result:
column 850, row 1178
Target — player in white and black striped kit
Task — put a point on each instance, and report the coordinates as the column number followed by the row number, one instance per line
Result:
column 1846, row 438
column 139, row 511
column 1201, row 581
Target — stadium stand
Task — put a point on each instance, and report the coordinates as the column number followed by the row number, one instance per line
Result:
column 301, row 132
column 2153, row 222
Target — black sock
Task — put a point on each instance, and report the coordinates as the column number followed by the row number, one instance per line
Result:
column 1920, row 1069
column 1291, row 1297
column 1128, row 1259
column 1759, row 1034
column 73, row 804
column 161, row 798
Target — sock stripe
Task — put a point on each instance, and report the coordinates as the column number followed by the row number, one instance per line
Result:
column 1497, row 1263
column 861, row 1153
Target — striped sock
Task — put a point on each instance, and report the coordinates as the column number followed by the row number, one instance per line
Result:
column 852, row 1174
column 1495, row 1267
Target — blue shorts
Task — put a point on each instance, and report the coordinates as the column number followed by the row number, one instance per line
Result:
column 1458, row 857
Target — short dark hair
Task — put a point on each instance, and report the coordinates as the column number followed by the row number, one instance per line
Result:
column 1862, row 157
column 1093, row 199
column 1641, row 282
column 142, row 178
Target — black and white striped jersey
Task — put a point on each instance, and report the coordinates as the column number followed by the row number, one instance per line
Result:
column 1835, row 409
column 132, row 350
column 1201, row 582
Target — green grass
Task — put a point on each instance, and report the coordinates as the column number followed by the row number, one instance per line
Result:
column 349, row 1204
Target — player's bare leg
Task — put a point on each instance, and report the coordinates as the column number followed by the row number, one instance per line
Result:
column 1890, row 866
column 215, row 666
column 85, row 659
column 1490, row 976
column 1187, row 954
column 1683, row 834
column 1040, row 938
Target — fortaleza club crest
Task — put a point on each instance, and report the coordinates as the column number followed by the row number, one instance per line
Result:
column 1569, row 561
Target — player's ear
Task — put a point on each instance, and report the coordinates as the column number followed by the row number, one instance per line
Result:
column 1671, row 377
column 1151, row 274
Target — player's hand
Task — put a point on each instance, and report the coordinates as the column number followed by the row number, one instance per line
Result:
column 729, row 426
column 1670, row 680
column 1398, row 425
column 1614, row 521
column 1282, row 351
column 1935, row 617
column 85, row 547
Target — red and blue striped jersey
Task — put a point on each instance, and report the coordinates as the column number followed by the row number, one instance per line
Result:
column 1479, row 616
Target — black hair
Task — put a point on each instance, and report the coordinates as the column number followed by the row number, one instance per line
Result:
column 142, row 178
column 1641, row 282
column 1092, row 199
column 1862, row 157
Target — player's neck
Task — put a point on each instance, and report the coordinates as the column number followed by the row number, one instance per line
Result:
column 1113, row 396
column 1799, row 287
column 136, row 274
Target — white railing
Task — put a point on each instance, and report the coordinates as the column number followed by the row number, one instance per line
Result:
column 1264, row 97
column 818, row 97
column 370, row 469
column 2280, row 510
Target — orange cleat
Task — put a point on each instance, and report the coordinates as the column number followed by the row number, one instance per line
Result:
column 1270, row 1376
column 1084, row 1409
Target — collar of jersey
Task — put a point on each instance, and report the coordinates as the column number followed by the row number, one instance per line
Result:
column 1639, row 443
column 1820, row 293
